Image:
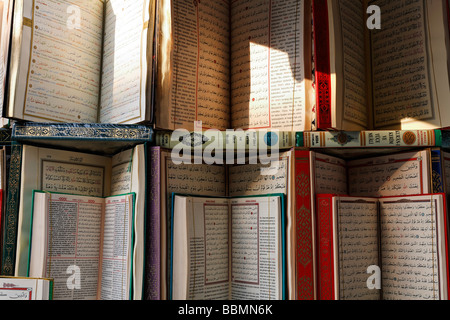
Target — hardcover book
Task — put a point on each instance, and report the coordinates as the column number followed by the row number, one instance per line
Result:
column 234, row 64
column 228, row 248
column 93, row 236
column 70, row 172
column 406, row 238
column 83, row 62
column 391, row 76
column 362, row 173
column 218, row 181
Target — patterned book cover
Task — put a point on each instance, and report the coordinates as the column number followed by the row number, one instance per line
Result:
column 322, row 65
column 304, row 228
column 152, row 283
column 9, row 227
column 325, row 259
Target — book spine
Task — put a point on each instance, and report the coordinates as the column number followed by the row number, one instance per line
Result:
column 153, row 273
column 445, row 138
column 232, row 140
column 377, row 139
column 322, row 65
column 304, row 250
column 437, row 172
column 11, row 213
column 32, row 131
column 325, row 259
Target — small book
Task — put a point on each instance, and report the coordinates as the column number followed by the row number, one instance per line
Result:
column 234, row 64
column 18, row 289
column 81, row 62
column 390, row 248
column 381, row 64
column 228, row 248
column 86, row 244
column 208, row 181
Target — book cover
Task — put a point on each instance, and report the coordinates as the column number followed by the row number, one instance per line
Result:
column 152, row 286
column 95, row 137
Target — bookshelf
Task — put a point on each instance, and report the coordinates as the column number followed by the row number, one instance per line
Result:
column 241, row 150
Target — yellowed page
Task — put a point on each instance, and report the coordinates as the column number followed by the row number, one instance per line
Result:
column 124, row 76
column 413, row 248
column 268, row 65
column 392, row 175
column 203, row 180
column 204, row 272
column 67, row 229
column 402, row 67
column 356, row 236
column 127, row 172
column 194, row 72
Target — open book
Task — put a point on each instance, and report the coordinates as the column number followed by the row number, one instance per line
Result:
column 207, row 181
column 228, row 248
column 395, row 77
column 76, row 173
column 89, row 239
column 406, row 237
column 234, row 64
column 82, row 62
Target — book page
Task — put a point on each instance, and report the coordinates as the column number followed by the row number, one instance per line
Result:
column 352, row 71
column 196, row 84
column 207, row 245
column 400, row 66
column 117, row 248
column 59, row 71
column 392, row 175
column 268, row 65
column 256, row 255
column 124, row 73
column 199, row 180
column 413, row 248
column 246, row 180
column 356, row 233
column 127, row 171
column 70, row 236
column 56, row 171
column 330, row 175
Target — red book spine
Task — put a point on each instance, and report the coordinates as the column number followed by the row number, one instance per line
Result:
column 325, row 258
column 322, row 64
column 305, row 275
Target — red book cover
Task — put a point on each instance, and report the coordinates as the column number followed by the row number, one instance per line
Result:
column 305, row 275
column 325, row 243
column 322, row 64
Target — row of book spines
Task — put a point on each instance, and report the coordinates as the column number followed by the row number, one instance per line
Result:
column 314, row 225
column 247, row 140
